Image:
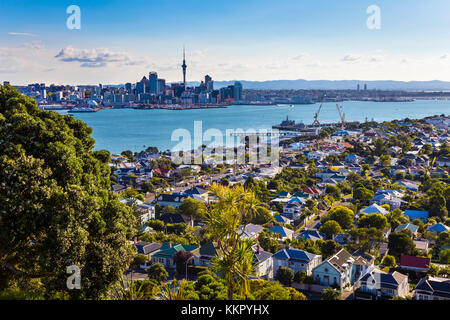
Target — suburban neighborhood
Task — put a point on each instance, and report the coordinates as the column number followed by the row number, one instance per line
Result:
column 350, row 214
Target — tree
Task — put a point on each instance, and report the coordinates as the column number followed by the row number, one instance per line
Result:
column 444, row 256
column 285, row 276
column 156, row 225
column 157, row 272
column 329, row 247
column 389, row 261
column 147, row 187
column 56, row 207
column 333, row 191
column 169, row 210
column 331, row 228
column 210, row 288
column 233, row 207
column 193, row 208
column 300, row 276
column 331, row 294
column 139, row 259
column 400, row 243
column 373, row 220
column 272, row 290
column 180, row 259
column 342, row 215
column 362, row 194
column 262, row 216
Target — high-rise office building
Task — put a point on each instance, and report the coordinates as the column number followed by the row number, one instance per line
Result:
column 128, row 87
column 365, row 87
column 237, row 91
column 153, row 78
column 358, row 87
column 209, row 83
column 161, row 86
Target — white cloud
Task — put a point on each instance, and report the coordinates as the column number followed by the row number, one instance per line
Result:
column 96, row 57
column 350, row 58
column 23, row 34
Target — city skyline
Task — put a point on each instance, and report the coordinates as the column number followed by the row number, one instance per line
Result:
column 323, row 40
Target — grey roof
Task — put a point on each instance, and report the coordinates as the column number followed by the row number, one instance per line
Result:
column 147, row 247
column 437, row 286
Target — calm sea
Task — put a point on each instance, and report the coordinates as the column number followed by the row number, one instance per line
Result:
column 127, row 129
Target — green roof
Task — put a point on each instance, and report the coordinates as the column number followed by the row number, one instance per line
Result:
column 168, row 250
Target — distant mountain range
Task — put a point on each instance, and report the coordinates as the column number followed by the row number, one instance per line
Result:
column 435, row 85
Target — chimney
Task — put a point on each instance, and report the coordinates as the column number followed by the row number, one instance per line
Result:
column 258, row 249
column 170, row 244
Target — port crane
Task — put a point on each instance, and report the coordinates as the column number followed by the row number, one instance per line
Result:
column 341, row 115
column 316, row 121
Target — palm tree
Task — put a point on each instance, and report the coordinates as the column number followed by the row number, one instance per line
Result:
column 230, row 210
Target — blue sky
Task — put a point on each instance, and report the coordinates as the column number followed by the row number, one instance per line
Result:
column 247, row 40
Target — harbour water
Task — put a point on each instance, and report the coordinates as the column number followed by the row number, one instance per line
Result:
column 117, row 130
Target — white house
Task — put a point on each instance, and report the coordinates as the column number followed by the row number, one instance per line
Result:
column 296, row 260
column 341, row 269
column 378, row 283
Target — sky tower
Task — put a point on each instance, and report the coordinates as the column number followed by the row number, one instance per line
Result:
column 184, row 66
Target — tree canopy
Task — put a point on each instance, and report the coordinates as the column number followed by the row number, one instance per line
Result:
column 57, row 209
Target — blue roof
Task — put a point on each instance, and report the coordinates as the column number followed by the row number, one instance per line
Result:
column 281, row 219
column 311, row 234
column 416, row 213
column 438, row 227
column 280, row 230
column 295, row 254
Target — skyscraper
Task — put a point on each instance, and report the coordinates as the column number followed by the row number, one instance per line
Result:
column 184, row 66
column 237, row 91
column 209, row 84
column 153, row 78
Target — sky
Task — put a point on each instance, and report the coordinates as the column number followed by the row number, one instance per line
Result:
column 121, row 41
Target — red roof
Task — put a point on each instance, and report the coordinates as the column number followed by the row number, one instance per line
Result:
column 311, row 190
column 161, row 170
column 415, row 262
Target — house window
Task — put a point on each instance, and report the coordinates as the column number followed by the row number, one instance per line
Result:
column 326, row 269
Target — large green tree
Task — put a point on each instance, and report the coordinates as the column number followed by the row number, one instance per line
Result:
column 56, row 208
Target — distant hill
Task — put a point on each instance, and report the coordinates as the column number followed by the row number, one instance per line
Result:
column 300, row 84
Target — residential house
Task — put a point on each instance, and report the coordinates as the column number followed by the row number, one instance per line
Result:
column 380, row 283
column 408, row 226
column 415, row 214
column 283, row 232
column 438, row 228
column 311, row 234
column 174, row 199
column 206, row 253
column 341, row 269
column 415, row 263
column 167, row 251
column 432, row 288
column 296, row 260
column 373, row 208
column 292, row 210
column 384, row 198
column 263, row 263
column 422, row 245
column 282, row 219
column 176, row 218
column 409, row 185
column 353, row 158
column 251, row 231
column 313, row 191
column 147, row 248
